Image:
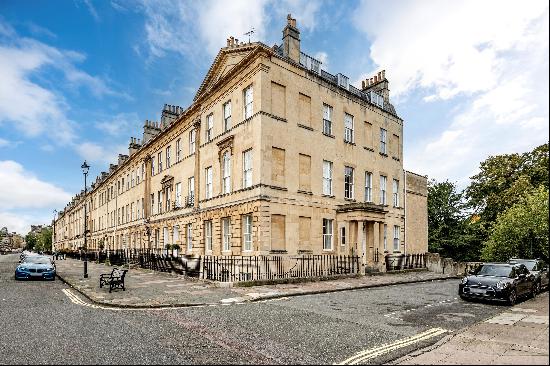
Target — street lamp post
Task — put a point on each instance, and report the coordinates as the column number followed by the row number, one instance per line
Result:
column 85, row 168
column 54, row 245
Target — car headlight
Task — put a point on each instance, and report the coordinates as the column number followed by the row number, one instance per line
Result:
column 501, row 285
column 21, row 268
column 464, row 280
column 50, row 269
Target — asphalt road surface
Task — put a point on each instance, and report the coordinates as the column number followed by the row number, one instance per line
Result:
column 47, row 322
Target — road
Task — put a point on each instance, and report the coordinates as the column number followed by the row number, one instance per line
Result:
column 46, row 322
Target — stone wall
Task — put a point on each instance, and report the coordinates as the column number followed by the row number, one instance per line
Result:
column 435, row 263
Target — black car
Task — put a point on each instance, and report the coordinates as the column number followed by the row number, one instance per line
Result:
column 538, row 268
column 498, row 281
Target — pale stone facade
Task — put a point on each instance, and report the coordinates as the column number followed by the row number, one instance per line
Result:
column 263, row 150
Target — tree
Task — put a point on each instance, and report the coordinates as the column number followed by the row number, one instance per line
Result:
column 521, row 231
column 30, row 240
column 450, row 231
column 505, row 180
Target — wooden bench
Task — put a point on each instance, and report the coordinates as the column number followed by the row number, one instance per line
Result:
column 115, row 279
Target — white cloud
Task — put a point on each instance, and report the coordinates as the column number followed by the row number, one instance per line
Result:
column 21, row 222
column 121, row 124
column 4, row 142
column 181, row 27
column 92, row 10
column 30, row 107
column 95, row 153
column 20, row 189
column 491, row 54
column 323, row 57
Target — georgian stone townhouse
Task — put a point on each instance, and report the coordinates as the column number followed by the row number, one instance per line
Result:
column 274, row 156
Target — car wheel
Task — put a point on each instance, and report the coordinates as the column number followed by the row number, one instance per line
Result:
column 512, row 298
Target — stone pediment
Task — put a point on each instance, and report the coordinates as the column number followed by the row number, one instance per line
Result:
column 167, row 181
column 227, row 59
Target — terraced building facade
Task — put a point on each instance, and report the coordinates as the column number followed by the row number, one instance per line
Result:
column 274, row 156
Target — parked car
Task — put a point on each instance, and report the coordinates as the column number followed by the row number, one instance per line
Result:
column 36, row 266
column 498, row 281
column 538, row 268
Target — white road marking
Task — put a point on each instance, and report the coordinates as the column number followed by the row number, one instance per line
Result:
column 75, row 299
column 378, row 351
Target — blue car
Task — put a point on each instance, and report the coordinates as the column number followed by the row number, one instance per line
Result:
column 35, row 267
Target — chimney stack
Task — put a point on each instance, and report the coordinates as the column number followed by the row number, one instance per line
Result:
column 291, row 40
column 378, row 84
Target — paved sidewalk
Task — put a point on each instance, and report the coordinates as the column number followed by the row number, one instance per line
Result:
column 519, row 336
column 147, row 288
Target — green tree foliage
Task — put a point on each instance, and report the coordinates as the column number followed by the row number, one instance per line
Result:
column 44, row 240
column 461, row 224
column 521, row 231
column 451, row 232
column 30, row 241
column 504, row 180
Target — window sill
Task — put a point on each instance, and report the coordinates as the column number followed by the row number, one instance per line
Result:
column 305, row 127
column 278, row 251
column 350, row 199
column 394, row 158
column 349, row 143
column 328, row 195
column 305, row 192
column 327, row 135
column 368, row 148
column 383, row 154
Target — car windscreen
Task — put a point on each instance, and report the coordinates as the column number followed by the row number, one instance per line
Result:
column 497, row 271
column 38, row 260
column 531, row 265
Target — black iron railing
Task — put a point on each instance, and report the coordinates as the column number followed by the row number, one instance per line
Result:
column 405, row 261
column 243, row 268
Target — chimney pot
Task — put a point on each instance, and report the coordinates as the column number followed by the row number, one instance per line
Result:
column 384, row 74
column 375, row 79
column 362, row 84
column 379, row 75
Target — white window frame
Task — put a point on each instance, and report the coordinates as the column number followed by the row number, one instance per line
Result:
column 165, row 237
column 192, row 138
column 208, row 235
column 167, row 157
column 178, row 150
column 189, row 234
column 248, row 98
column 395, row 193
column 327, row 119
column 368, row 187
column 327, row 177
column 226, row 234
column 396, row 234
column 348, row 128
column 383, row 189
column 226, row 172
column 159, row 162
column 349, row 186
column 227, row 116
column 208, row 181
column 383, row 141
column 247, row 232
column 247, row 168
column 178, row 194
column 328, row 234
column 343, row 236
column 209, row 127
column 191, row 188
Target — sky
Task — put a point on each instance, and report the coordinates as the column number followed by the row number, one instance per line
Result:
column 79, row 77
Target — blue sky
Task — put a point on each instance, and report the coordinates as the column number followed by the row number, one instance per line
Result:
column 78, row 78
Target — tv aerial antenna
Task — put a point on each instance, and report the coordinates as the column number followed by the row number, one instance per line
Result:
column 249, row 33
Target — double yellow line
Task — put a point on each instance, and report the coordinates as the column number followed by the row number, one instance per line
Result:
column 378, row 351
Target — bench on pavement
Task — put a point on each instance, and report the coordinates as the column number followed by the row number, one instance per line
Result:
column 115, row 279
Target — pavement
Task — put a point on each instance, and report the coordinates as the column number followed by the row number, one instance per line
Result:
column 147, row 288
column 518, row 336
